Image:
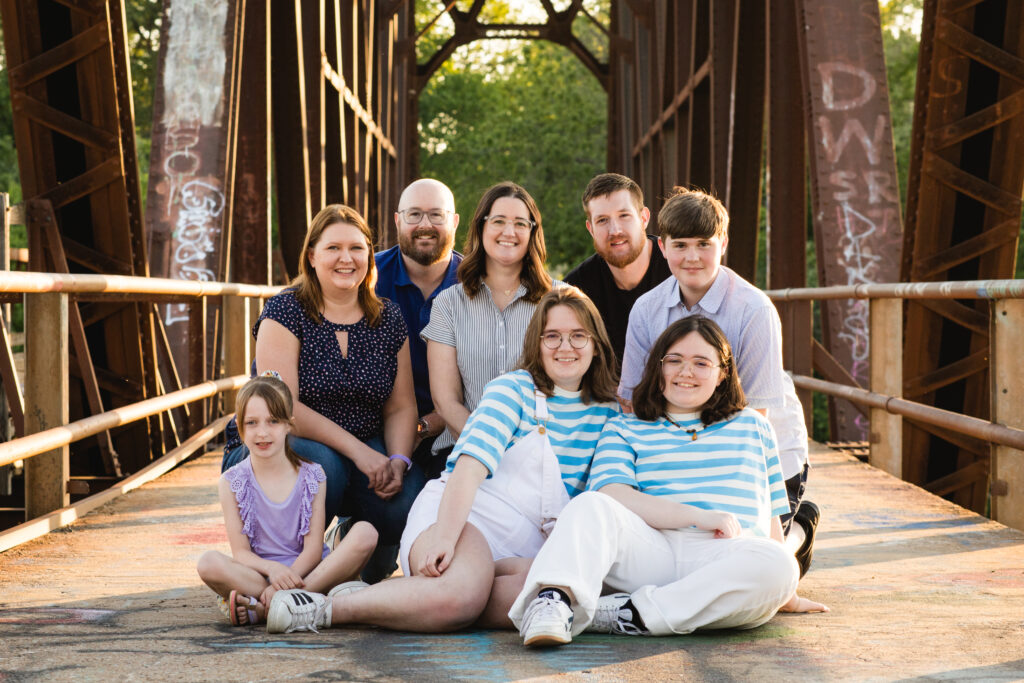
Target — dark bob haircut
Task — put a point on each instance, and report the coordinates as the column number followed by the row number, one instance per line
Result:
column 649, row 396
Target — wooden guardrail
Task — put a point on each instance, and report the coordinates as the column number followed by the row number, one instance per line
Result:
column 43, row 404
column 886, row 408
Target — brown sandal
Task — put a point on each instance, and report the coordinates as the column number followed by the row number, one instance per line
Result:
column 236, row 600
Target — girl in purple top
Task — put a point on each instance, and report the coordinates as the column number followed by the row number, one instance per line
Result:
column 273, row 505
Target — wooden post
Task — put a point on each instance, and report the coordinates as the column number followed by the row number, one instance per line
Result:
column 1007, row 382
column 46, row 399
column 255, row 308
column 197, row 360
column 236, row 346
column 797, row 345
column 886, row 339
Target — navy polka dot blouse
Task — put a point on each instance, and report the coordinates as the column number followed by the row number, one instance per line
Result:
column 348, row 390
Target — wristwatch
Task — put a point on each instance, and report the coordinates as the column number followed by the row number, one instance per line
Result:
column 422, row 428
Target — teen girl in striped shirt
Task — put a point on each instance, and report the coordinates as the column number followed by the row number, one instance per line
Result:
column 682, row 511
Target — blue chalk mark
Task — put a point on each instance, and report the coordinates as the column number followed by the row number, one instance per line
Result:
column 463, row 656
column 272, row 643
column 580, row 656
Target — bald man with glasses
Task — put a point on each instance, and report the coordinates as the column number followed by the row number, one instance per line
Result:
column 412, row 274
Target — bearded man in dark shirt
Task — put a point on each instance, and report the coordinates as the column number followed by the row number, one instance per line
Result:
column 628, row 261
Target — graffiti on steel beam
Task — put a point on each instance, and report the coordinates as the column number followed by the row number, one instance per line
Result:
column 858, row 228
column 193, row 89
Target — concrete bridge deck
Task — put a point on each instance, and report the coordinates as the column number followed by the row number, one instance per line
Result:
column 919, row 590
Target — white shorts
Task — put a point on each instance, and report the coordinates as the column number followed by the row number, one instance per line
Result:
column 509, row 532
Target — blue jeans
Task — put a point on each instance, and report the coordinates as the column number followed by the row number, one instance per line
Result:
column 348, row 492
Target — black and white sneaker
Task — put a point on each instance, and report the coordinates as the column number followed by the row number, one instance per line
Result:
column 546, row 622
column 613, row 616
column 298, row 610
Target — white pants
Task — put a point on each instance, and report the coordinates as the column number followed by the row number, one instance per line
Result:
column 680, row 580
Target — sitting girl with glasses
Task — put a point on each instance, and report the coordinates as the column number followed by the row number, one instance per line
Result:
column 523, row 453
column 681, row 513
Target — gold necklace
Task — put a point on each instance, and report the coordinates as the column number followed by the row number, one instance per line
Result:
column 506, row 292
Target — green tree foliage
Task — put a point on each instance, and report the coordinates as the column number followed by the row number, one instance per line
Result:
column 900, row 34
column 527, row 111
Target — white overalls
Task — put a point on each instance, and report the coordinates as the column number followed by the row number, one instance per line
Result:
column 515, row 509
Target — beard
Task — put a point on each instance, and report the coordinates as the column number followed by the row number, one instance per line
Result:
column 425, row 255
column 621, row 260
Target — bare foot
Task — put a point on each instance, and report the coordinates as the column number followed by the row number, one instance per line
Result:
column 796, row 604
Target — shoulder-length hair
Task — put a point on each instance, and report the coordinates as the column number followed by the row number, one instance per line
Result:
column 649, row 396
column 278, row 398
column 307, row 286
column 474, row 263
column 602, row 377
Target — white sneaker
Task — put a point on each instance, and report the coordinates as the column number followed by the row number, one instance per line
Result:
column 347, row 587
column 609, row 617
column 298, row 610
column 546, row 622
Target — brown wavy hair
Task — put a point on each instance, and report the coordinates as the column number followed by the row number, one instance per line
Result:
column 649, row 396
column 307, row 286
column 474, row 264
column 278, row 397
column 602, row 377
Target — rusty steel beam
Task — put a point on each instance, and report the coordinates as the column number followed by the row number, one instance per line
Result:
column 250, row 220
column 963, row 211
column 191, row 181
column 747, row 138
column 291, row 153
column 787, row 213
column 856, row 204
column 74, row 131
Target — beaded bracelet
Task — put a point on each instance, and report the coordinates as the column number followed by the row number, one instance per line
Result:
column 406, row 460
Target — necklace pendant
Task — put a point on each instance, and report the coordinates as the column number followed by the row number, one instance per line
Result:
column 541, row 429
column 692, row 433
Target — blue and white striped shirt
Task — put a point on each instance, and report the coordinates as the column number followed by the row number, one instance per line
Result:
column 732, row 466
column 506, row 414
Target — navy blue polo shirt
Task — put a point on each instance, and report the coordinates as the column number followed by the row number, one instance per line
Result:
column 393, row 283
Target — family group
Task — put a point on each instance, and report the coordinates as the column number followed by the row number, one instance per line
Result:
column 464, row 416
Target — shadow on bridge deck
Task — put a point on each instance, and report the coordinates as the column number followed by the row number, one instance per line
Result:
column 919, row 589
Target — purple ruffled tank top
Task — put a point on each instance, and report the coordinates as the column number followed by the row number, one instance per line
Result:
column 276, row 531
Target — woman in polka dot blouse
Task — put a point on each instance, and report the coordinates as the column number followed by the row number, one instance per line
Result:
column 345, row 354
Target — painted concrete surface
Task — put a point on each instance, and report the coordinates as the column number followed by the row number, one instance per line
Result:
column 919, row 590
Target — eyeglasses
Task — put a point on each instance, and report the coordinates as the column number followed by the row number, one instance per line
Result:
column 415, row 216
column 520, row 224
column 553, row 340
column 702, row 368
